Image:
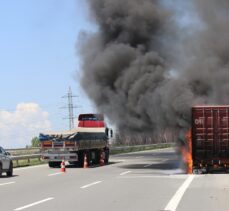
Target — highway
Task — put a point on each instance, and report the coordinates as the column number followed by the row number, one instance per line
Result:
column 149, row 181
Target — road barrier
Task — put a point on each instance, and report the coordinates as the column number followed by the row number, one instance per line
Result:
column 123, row 149
column 34, row 153
column 26, row 157
column 24, row 151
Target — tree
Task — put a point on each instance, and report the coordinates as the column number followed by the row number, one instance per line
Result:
column 35, row 142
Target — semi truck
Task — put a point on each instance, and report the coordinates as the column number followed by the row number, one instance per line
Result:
column 90, row 138
column 210, row 138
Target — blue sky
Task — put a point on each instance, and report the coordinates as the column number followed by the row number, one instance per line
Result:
column 38, row 59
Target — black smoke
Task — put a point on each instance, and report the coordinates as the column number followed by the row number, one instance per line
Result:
column 144, row 68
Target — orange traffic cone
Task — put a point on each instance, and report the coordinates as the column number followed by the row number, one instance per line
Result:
column 85, row 163
column 62, row 169
column 101, row 161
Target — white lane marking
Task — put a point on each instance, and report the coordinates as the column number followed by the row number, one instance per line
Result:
column 148, row 165
column 126, row 172
column 7, row 183
column 175, row 200
column 91, row 184
column 29, row 167
column 33, row 204
column 139, row 157
column 118, row 160
column 54, row 174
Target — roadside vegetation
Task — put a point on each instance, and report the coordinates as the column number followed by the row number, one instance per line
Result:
column 24, row 163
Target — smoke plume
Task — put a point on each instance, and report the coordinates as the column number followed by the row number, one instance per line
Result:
column 146, row 66
column 208, row 52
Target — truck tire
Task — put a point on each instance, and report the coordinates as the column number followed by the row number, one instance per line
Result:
column 107, row 154
column 54, row 164
column 80, row 158
column 10, row 172
column 0, row 169
column 51, row 164
column 97, row 156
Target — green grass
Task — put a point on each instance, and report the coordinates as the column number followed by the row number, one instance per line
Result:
column 24, row 163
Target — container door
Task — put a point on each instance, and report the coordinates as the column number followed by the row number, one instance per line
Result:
column 203, row 138
column 221, row 138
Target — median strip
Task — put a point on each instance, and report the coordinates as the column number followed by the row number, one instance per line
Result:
column 89, row 185
column 33, row 204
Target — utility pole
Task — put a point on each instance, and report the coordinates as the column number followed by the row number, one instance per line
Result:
column 70, row 108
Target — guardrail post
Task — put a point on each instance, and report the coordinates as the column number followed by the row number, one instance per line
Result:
column 17, row 161
column 29, row 160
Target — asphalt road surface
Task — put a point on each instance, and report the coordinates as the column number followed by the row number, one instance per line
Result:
column 142, row 181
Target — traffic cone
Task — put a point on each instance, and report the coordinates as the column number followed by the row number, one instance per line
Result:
column 101, row 161
column 62, row 169
column 85, row 163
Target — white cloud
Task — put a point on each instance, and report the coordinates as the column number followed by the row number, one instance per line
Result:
column 17, row 128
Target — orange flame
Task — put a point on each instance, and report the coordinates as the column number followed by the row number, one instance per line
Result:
column 187, row 152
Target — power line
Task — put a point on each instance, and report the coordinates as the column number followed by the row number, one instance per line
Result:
column 70, row 108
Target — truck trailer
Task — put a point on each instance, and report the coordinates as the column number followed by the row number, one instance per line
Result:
column 90, row 139
column 210, row 138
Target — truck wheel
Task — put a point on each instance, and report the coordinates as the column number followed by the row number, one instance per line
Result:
column 54, row 164
column 107, row 154
column 10, row 172
column 0, row 169
column 80, row 159
column 97, row 156
column 51, row 165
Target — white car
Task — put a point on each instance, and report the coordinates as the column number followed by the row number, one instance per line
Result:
column 6, row 163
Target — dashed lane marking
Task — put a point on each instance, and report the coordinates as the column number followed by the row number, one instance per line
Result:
column 148, row 165
column 33, row 204
column 91, row 184
column 126, row 172
column 7, row 183
column 54, row 174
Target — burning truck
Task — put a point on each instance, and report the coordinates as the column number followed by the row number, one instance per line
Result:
column 207, row 146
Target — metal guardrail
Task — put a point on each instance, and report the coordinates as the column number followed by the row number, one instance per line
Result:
column 16, row 153
column 25, row 157
column 24, row 151
column 117, row 148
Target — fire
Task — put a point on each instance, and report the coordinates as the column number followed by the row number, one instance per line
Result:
column 187, row 152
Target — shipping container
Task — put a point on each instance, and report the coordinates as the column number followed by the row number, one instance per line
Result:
column 210, row 137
